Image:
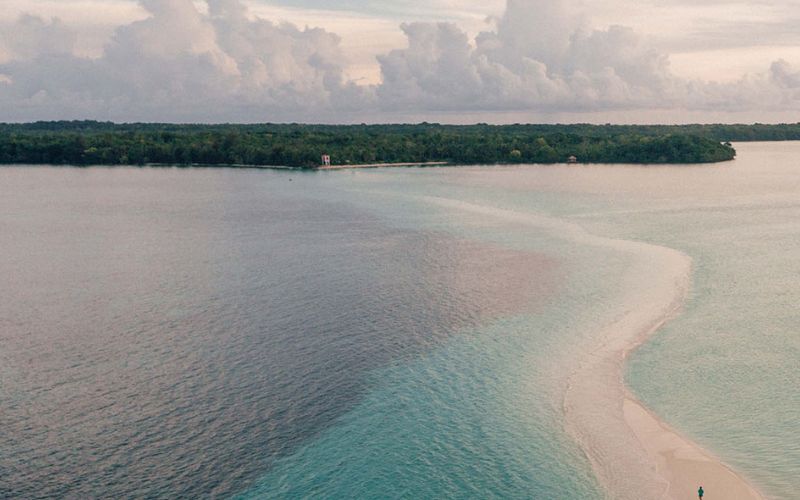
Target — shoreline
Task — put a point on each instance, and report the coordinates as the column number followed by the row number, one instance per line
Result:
column 630, row 448
column 684, row 464
column 379, row 165
column 633, row 453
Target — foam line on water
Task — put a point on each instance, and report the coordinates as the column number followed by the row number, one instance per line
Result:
column 633, row 453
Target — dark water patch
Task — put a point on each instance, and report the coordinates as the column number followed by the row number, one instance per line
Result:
column 172, row 333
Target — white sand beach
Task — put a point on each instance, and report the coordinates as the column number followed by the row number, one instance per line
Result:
column 634, row 454
column 684, row 464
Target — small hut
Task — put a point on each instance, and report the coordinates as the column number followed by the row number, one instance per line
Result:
column 572, row 159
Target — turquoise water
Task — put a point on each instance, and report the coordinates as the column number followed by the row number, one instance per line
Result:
column 388, row 333
column 174, row 332
column 479, row 416
column 725, row 372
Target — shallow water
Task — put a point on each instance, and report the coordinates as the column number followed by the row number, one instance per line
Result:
column 246, row 333
column 185, row 332
column 726, row 371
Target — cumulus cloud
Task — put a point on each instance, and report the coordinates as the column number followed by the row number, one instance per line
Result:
column 178, row 64
column 222, row 63
column 539, row 58
column 32, row 36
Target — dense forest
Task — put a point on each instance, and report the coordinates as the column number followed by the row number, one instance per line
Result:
column 296, row 145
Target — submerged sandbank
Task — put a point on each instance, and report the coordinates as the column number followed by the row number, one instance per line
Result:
column 633, row 454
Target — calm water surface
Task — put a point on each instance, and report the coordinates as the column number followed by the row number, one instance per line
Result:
column 175, row 332
column 185, row 332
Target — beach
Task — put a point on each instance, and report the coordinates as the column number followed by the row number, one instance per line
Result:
column 379, row 165
column 633, row 453
column 682, row 463
column 563, row 332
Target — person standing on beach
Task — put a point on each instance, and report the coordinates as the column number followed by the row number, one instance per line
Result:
column 700, row 493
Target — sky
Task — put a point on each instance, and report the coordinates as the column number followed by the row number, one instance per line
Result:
column 352, row 61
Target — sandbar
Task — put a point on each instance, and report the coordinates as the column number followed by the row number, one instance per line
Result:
column 684, row 464
column 633, row 453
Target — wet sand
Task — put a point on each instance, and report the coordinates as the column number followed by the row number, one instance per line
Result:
column 684, row 464
column 633, row 453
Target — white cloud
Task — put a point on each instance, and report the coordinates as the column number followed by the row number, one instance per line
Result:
column 221, row 60
column 363, row 37
column 181, row 64
column 92, row 21
column 540, row 58
column 32, row 36
column 546, row 59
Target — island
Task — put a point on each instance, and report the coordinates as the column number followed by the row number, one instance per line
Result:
column 307, row 146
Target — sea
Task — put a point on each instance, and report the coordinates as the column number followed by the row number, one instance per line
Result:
column 173, row 332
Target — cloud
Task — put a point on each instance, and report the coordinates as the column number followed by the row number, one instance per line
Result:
column 179, row 62
column 32, row 36
column 544, row 58
column 783, row 75
column 538, row 58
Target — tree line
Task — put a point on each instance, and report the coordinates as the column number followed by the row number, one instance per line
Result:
column 298, row 145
